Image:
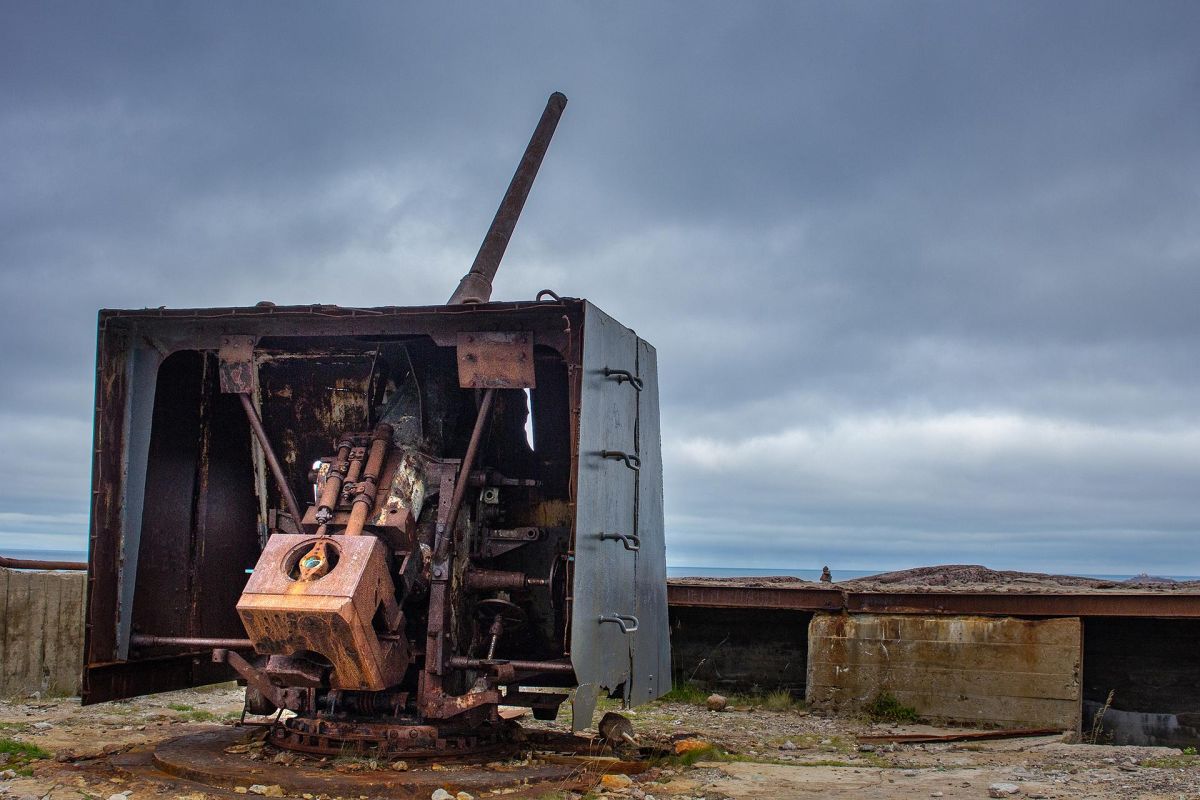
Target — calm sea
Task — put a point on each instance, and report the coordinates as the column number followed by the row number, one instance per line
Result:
column 672, row 571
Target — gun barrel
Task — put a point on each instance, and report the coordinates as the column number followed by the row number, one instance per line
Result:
column 476, row 285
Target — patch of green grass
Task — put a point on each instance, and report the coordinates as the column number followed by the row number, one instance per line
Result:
column 1185, row 761
column 886, row 708
column 21, row 753
column 1189, row 751
column 200, row 715
column 710, row 753
column 687, row 693
column 779, row 700
column 815, row 741
column 192, row 714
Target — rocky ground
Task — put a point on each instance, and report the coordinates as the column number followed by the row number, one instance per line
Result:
column 55, row 749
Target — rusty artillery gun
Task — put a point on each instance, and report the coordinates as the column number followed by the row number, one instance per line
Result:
column 485, row 526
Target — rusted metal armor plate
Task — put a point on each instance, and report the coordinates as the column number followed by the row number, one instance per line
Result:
column 236, row 358
column 496, row 360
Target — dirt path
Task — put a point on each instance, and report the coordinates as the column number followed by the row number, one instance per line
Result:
column 767, row 755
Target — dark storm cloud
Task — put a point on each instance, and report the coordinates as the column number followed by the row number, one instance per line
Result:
column 922, row 277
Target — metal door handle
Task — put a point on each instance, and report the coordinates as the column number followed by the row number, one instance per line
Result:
column 623, row 375
column 631, row 459
column 627, row 622
column 630, row 541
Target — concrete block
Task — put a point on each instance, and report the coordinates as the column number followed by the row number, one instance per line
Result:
column 971, row 670
column 41, row 632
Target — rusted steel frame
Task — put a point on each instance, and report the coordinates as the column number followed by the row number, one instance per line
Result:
column 144, row 640
column 331, row 489
column 192, row 329
column 33, row 563
column 431, row 698
column 364, row 490
column 253, row 676
column 104, row 557
column 269, row 454
column 1163, row 605
column 558, row 667
column 481, row 705
column 357, row 456
column 446, row 530
column 476, row 285
column 484, row 580
column 966, row 736
column 438, row 615
column 798, row 599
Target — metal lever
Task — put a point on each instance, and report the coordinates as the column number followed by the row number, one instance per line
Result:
column 631, row 459
column 623, row 375
column 630, row 541
column 627, row 622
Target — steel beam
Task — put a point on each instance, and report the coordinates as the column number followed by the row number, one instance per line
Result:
column 1166, row 605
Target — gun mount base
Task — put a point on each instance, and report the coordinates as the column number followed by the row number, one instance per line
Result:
column 402, row 739
column 232, row 757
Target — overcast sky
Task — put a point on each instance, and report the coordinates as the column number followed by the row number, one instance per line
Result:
column 924, row 278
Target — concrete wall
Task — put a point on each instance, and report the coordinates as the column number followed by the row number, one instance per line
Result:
column 1001, row 671
column 41, row 632
column 740, row 649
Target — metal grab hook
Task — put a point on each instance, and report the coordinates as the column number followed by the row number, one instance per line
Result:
column 623, row 375
column 550, row 292
column 627, row 622
column 631, row 541
column 631, row 459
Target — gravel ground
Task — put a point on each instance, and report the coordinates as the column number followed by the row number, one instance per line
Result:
column 768, row 754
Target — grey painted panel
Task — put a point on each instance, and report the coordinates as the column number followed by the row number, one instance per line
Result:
column 139, row 414
column 603, row 582
column 652, row 645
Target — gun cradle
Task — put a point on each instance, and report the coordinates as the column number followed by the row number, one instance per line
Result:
column 338, row 617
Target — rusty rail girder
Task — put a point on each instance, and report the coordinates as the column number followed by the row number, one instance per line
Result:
column 1164, row 605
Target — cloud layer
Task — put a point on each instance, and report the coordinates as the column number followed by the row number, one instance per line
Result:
column 923, row 279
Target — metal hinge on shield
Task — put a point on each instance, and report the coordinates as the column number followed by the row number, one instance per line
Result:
column 628, row 623
column 631, row 541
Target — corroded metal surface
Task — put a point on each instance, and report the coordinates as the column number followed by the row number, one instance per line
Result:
column 205, row 759
column 33, row 563
column 496, row 360
column 707, row 595
column 407, row 739
column 331, row 615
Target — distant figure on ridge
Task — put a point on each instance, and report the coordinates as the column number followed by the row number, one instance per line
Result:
column 826, row 576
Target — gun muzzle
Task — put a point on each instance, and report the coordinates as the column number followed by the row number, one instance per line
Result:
column 476, row 285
